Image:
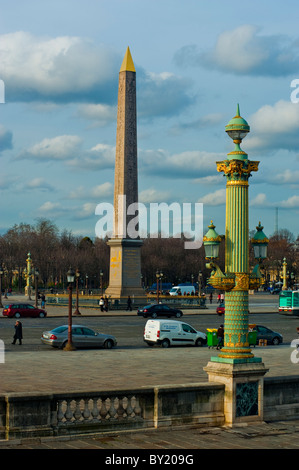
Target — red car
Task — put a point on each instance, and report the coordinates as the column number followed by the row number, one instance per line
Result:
column 23, row 310
column 220, row 310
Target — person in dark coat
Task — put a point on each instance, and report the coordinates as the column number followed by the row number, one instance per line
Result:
column 129, row 304
column 220, row 336
column 18, row 333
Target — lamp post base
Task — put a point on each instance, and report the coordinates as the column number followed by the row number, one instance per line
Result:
column 244, row 388
column 69, row 347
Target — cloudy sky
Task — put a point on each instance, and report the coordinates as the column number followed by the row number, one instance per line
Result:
column 195, row 60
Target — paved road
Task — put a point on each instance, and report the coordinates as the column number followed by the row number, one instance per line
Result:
column 46, row 369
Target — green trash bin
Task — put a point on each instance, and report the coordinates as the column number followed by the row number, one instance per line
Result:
column 252, row 335
column 212, row 339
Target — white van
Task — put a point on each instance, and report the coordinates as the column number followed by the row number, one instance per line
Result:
column 172, row 333
column 182, row 290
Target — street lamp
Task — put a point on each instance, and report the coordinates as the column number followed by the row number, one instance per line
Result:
column 77, row 312
column 235, row 365
column 260, row 243
column 28, row 274
column 70, row 279
column 101, row 281
column 158, row 277
column 211, row 242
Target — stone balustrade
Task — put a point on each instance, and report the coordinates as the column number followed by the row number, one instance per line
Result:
column 73, row 413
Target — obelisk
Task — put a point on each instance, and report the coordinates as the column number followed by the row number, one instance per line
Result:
column 125, row 263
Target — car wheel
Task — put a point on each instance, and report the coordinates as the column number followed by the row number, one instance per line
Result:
column 108, row 344
column 178, row 315
column 17, row 315
column 275, row 341
column 144, row 315
column 154, row 315
column 63, row 345
column 41, row 315
column 198, row 342
column 165, row 343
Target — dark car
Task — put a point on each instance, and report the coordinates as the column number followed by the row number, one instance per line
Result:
column 159, row 310
column 23, row 310
column 272, row 337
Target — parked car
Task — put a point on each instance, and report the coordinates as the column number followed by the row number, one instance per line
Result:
column 23, row 310
column 172, row 333
column 159, row 310
column 82, row 337
column 220, row 309
column 271, row 336
column 277, row 290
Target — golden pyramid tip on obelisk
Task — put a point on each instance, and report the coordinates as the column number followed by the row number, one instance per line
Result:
column 128, row 64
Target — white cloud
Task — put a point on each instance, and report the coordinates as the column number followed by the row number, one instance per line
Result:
column 104, row 190
column 289, row 177
column 65, row 68
column 153, row 195
column 245, row 51
column 86, row 211
column 52, row 210
column 189, row 164
column 101, row 156
column 259, row 200
column 214, row 199
column 61, row 147
column 100, row 114
column 39, row 183
column 275, row 127
column 291, row 203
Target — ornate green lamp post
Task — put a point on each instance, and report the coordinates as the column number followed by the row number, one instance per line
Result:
column 237, row 280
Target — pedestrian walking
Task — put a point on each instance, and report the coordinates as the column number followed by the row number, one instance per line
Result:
column 220, row 336
column 129, row 304
column 106, row 303
column 102, row 304
column 211, row 297
column 43, row 302
column 18, row 333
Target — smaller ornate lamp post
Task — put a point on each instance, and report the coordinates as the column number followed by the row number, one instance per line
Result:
column 28, row 274
column 101, row 281
column 260, row 246
column 284, row 274
column 260, row 243
column 70, row 278
column 158, row 277
column 211, row 242
column 77, row 312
